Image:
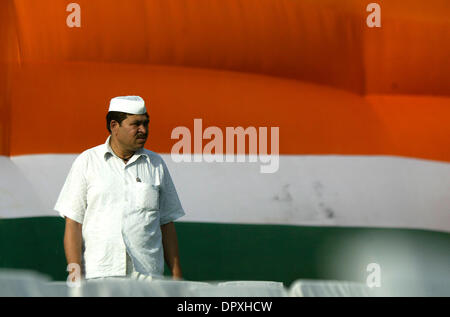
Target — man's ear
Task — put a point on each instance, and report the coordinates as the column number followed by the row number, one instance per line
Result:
column 113, row 125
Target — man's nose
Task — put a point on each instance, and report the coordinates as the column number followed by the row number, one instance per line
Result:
column 143, row 129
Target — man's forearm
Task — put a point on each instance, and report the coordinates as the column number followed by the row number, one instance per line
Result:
column 170, row 245
column 73, row 241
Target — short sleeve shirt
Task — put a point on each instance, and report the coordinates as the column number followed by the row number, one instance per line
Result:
column 121, row 208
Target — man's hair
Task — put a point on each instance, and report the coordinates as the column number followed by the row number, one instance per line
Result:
column 116, row 116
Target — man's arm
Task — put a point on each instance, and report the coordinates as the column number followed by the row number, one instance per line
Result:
column 170, row 245
column 73, row 241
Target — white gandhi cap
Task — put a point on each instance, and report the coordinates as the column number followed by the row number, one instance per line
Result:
column 128, row 104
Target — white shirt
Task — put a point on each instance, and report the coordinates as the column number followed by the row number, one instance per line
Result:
column 119, row 214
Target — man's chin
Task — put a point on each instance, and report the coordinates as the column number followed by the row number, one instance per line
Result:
column 140, row 143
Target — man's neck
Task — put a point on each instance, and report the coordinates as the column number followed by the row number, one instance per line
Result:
column 119, row 151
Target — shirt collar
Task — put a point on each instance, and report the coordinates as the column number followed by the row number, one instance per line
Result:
column 108, row 152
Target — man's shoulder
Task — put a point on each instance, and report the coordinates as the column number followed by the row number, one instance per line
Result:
column 92, row 152
column 154, row 157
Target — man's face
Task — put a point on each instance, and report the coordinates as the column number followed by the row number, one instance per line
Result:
column 132, row 133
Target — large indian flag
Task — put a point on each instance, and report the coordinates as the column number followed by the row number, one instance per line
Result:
column 363, row 117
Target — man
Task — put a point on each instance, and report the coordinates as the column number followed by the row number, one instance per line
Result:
column 119, row 202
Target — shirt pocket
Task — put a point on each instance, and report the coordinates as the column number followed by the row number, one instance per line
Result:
column 146, row 196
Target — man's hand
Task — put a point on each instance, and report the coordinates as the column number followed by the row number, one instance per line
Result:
column 72, row 241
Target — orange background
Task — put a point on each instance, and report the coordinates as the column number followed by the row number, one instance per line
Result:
column 313, row 68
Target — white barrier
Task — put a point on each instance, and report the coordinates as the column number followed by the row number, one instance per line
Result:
column 170, row 288
column 30, row 284
column 310, row 288
column 16, row 283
